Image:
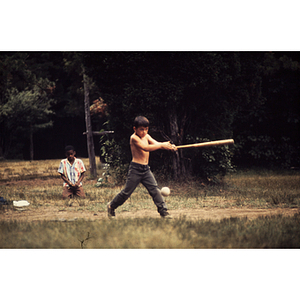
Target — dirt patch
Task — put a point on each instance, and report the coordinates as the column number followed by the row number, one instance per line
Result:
column 74, row 213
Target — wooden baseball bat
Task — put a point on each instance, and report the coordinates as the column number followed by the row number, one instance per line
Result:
column 208, row 144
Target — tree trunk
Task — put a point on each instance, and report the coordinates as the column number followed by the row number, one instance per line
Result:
column 176, row 137
column 31, row 142
column 88, row 124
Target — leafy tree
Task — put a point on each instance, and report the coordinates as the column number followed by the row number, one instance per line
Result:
column 26, row 100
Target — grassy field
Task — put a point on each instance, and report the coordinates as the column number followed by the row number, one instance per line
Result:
column 39, row 183
column 146, row 233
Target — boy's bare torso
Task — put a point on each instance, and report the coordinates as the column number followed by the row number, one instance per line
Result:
column 138, row 154
column 141, row 144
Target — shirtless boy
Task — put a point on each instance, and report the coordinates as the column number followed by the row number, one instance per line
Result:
column 141, row 144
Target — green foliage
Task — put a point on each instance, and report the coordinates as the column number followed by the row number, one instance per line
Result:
column 27, row 99
column 209, row 162
column 112, row 158
column 28, row 108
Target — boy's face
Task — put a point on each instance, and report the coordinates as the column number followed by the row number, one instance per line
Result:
column 70, row 155
column 141, row 131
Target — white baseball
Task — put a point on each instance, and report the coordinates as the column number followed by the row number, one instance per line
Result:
column 165, row 191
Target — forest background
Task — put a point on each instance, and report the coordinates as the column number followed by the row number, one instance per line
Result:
column 189, row 97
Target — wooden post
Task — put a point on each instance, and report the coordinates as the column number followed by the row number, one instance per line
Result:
column 31, row 142
column 88, row 124
column 100, row 133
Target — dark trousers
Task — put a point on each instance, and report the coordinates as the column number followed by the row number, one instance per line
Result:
column 140, row 174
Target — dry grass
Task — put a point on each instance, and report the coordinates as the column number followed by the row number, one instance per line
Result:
column 29, row 169
column 265, row 188
column 39, row 183
column 149, row 233
column 251, row 189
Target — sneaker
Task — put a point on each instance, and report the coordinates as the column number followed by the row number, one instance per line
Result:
column 110, row 211
column 166, row 215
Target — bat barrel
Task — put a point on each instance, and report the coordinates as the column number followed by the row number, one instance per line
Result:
column 208, row 144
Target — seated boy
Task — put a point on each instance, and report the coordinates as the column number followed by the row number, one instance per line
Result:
column 72, row 172
column 141, row 144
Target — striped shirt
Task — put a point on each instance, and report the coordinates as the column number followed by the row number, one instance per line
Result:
column 72, row 172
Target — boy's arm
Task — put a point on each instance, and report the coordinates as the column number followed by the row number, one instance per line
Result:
column 66, row 180
column 79, row 179
column 152, row 144
column 164, row 145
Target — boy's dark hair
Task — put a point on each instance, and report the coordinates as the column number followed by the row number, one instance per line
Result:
column 69, row 148
column 140, row 121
